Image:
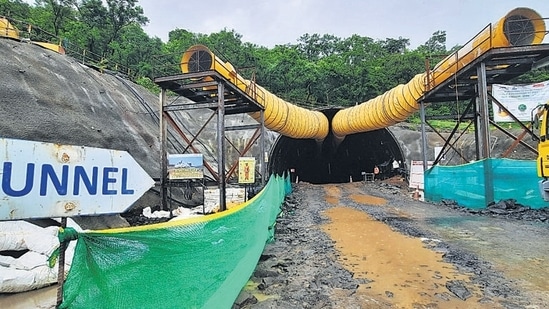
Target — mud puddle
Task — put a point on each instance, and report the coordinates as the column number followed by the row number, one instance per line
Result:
column 400, row 270
column 521, row 253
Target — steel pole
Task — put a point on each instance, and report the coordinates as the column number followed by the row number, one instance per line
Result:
column 221, row 145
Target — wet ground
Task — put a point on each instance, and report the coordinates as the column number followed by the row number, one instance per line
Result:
column 370, row 245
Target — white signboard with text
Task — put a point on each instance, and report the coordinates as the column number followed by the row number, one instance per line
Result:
column 416, row 174
column 46, row 180
column 520, row 100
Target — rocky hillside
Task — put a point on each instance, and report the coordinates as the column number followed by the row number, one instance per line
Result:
column 50, row 97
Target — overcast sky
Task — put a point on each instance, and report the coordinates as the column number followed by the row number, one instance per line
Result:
column 272, row 22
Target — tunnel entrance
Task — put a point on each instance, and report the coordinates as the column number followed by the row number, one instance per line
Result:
column 325, row 162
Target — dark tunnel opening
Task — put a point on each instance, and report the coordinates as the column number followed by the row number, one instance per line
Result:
column 326, row 162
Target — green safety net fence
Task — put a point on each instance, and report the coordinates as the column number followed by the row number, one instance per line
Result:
column 200, row 262
column 467, row 184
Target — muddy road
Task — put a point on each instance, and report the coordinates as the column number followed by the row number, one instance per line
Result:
column 371, row 245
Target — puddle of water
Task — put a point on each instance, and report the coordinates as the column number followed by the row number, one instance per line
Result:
column 368, row 199
column 333, row 194
column 251, row 287
column 524, row 258
column 404, row 272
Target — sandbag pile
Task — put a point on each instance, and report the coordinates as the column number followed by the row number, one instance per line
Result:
column 24, row 252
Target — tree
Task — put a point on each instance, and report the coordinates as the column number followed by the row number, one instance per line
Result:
column 102, row 25
column 121, row 13
column 315, row 46
column 396, row 46
column 436, row 45
column 134, row 50
column 16, row 9
column 53, row 15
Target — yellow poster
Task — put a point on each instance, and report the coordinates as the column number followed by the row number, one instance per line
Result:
column 246, row 170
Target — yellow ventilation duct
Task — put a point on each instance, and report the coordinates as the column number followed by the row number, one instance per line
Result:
column 521, row 26
column 382, row 111
column 280, row 116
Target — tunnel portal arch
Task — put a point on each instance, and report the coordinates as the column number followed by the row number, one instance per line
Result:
column 326, row 162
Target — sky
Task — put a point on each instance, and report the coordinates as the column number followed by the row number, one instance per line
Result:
column 275, row 22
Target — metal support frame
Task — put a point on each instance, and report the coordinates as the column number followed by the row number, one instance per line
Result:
column 163, row 152
column 172, row 122
column 423, row 134
column 482, row 117
column 195, row 136
column 214, row 100
column 447, row 145
column 248, row 146
column 517, row 140
column 263, row 151
column 470, row 82
column 447, row 140
column 259, row 133
column 526, row 128
column 221, row 145
column 483, row 132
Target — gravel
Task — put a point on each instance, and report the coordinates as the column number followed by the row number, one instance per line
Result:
column 300, row 269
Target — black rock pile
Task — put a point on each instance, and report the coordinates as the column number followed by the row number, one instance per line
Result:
column 508, row 208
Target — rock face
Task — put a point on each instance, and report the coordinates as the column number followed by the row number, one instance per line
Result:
column 52, row 98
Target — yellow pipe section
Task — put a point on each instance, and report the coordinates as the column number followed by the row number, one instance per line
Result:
column 7, row 29
column 280, row 116
column 521, row 26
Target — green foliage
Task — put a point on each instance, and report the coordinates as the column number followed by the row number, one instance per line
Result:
column 320, row 70
column 534, row 76
column 436, row 45
column 16, row 9
column 148, row 84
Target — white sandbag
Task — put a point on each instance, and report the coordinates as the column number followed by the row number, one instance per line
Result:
column 12, row 234
column 30, row 261
column 147, row 212
column 18, row 280
column 6, row 261
column 30, row 271
column 44, row 242
column 44, row 276
column 15, row 280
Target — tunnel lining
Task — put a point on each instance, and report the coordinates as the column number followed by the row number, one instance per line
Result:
column 330, row 162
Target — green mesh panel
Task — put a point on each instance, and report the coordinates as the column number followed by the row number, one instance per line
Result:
column 192, row 263
column 510, row 179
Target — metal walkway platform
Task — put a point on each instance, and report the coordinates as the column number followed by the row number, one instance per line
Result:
column 502, row 65
column 201, row 88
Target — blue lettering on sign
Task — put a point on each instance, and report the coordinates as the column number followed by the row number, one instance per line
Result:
column 91, row 185
column 6, row 180
column 125, row 189
column 49, row 172
column 50, row 179
column 107, row 179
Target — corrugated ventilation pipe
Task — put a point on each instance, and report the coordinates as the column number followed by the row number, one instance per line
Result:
column 521, row 26
column 280, row 116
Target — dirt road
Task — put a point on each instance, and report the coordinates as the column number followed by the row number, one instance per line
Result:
column 370, row 245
